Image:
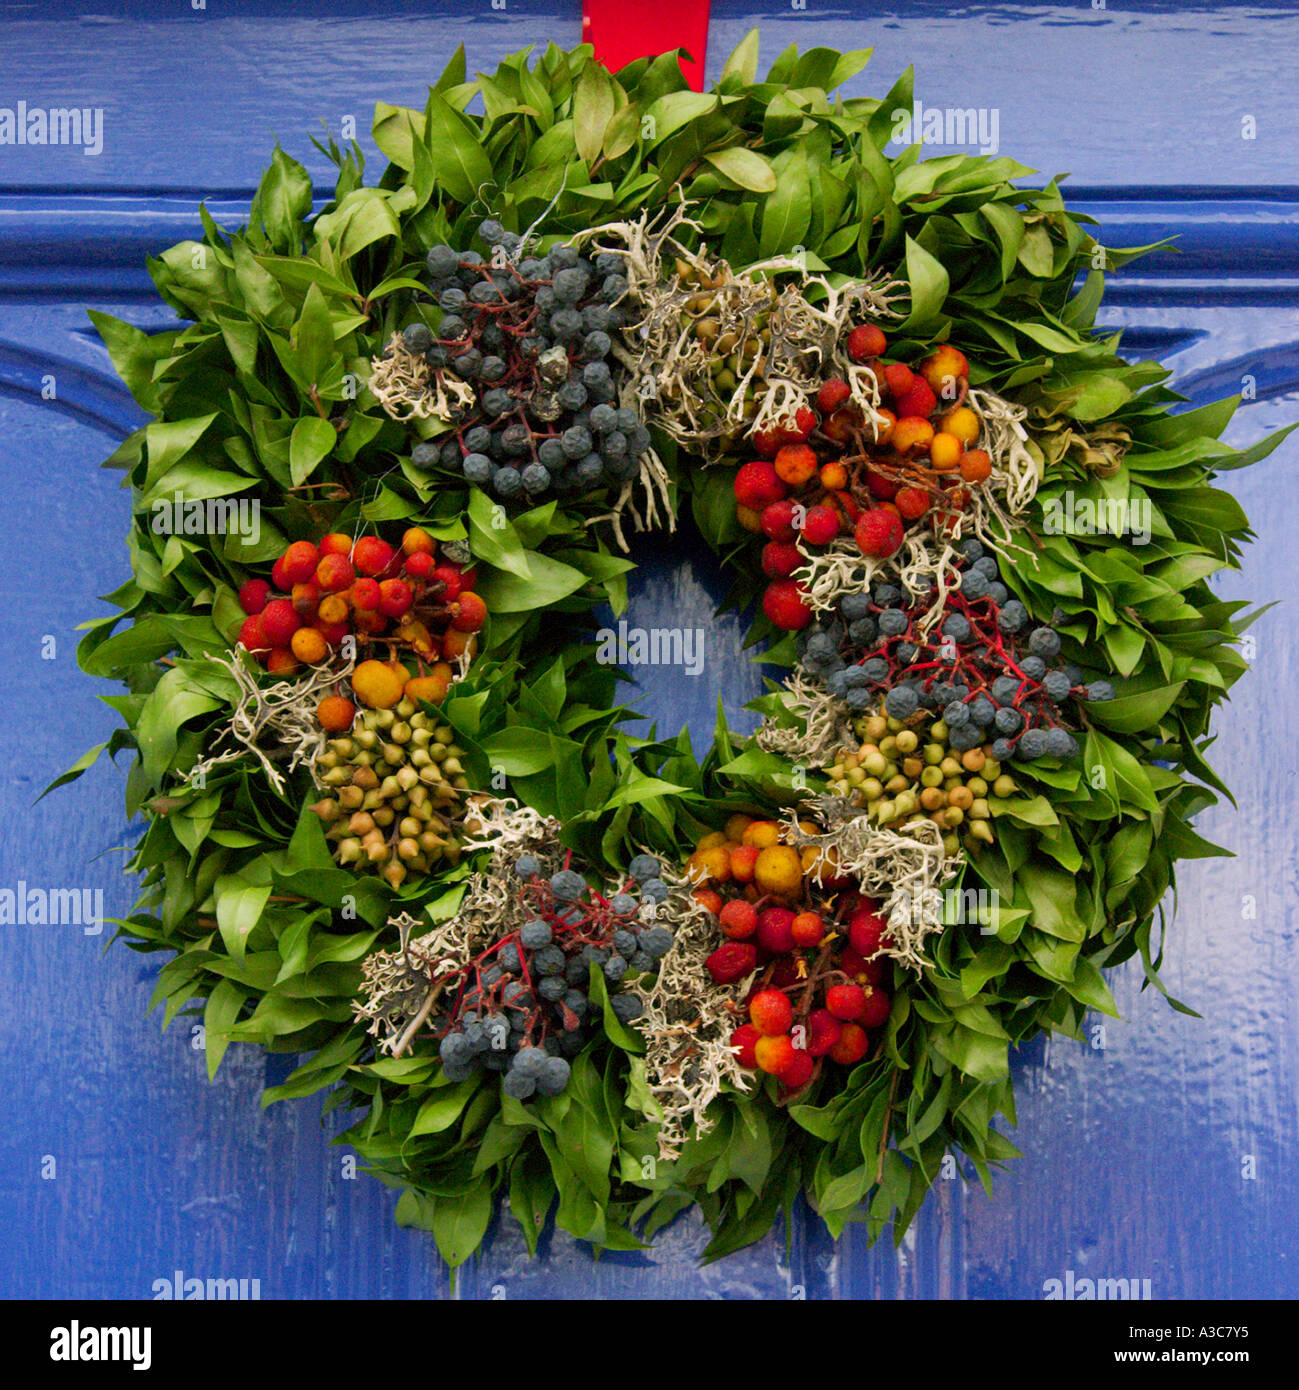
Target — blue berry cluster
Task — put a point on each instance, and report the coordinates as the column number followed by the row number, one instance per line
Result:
column 535, row 338
column 987, row 670
column 524, row 1009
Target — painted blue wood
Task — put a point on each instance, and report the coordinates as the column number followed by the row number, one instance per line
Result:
column 1161, row 1150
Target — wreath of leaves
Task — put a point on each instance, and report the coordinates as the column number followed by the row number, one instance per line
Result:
column 260, row 393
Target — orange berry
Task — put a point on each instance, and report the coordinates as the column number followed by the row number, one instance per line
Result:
column 709, row 865
column 369, row 621
column 797, row 1074
column 945, row 452
column 834, row 476
column 335, row 572
column 365, row 595
column 912, row 503
column 709, row 898
column 739, row 919
column 252, row 636
column 770, row 1012
column 300, row 561
column 431, row 687
column 884, row 426
column 336, row 544
column 371, row 555
column 779, row 870
column 976, row 466
column 304, row 598
column 912, row 436
column 421, row 565
column 866, row 341
column 333, row 609
column 712, row 840
column 743, row 861
column 308, row 645
column 395, row 597
column 748, row 518
column 774, row 1055
column 944, row 369
column 743, row 1042
column 279, row 622
column 417, row 540
column 842, row 424
column 456, row 644
column 808, row 929
column 471, row 613
column 377, row 685
column 762, row 834
column 898, row 377
column 796, row 464
column 851, row 1046
column 822, row 865
column 963, row 423
column 281, row 662
column 335, row 714
column 736, row 826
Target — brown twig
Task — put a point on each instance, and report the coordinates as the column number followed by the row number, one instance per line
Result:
column 884, row 1138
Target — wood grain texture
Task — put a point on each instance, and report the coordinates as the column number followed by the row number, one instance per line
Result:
column 1134, row 1150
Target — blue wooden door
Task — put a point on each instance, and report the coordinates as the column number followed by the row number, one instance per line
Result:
column 1162, row 1149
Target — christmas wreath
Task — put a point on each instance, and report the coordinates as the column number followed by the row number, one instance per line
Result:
column 393, row 823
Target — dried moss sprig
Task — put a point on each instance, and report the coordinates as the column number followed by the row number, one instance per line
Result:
column 283, row 712
column 687, row 1024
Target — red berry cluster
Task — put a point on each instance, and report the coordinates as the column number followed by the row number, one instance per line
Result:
column 820, row 991
column 826, row 475
column 322, row 592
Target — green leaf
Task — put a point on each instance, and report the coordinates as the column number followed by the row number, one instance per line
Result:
column 1088, row 987
column 239, row 908
column 493, row 538
column 461, row 166
column 173, row 701
column 745, row 167
column 532, row 1192
column 1130, row 714
column 518, row 752
column 309, row 444
column 669, row 113
column 86, row 761
column 593, row 108
column 547, row 582
column 742, row 63
column 223, row 1006
column 395, row 130
column 787, row 213
column 282, row 200
column 167, row 442
column 929, row 285
column 443, row 1108
column 132, row 352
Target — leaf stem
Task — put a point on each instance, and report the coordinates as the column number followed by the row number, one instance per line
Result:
column 888, row 1115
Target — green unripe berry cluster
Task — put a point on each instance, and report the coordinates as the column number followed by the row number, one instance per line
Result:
column 398, row 792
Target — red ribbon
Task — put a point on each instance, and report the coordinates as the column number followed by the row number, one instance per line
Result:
column 624, row 30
